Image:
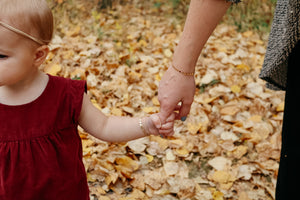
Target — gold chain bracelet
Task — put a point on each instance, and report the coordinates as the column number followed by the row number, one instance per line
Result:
column 142, row 127
column 182, row 72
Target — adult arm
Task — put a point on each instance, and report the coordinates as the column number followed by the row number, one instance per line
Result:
column 203, row 16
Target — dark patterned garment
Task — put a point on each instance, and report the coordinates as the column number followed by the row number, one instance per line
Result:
column 284, row 35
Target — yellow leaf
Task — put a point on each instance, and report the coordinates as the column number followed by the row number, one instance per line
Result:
column 104, row 198
column 209, row 100
column 230, row 110
column 53, row 69
column 143, row 43
column 221, row 176
column 130, row 37
column 168, row 53
column 86, row 144
column 118, row 26
column 95, row 103
column 247, row 33
column 100, row 190
column 111, row 178
column 149, row 158
column 243, row 67
column 182, row 152
column 128, row 163
column 155, row 101
column 124, row 57
column 68, row 54
column 255, row 118
column 280, row 107
column 243, row 196
column 116, row 112
column 78, row 73
column 134, row 76
column 74, row 31
column 240, row 151
column 119, row 44
column 217, row 195
column 222, row 49
column 194, row 128
column 107, row 165
column 259, row 42
column 50, row 56
column 177, row 143
column 163, row 143
column 96, row 15
column 157, row 77
column 235, row 89
column 91, row 178
column 150, row 110
column 128, row 109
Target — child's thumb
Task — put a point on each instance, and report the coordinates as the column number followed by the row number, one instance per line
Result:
column 156, row 120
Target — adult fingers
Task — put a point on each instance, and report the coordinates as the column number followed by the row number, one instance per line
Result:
column 172, row 116
column 165, row 111
column 184, row 110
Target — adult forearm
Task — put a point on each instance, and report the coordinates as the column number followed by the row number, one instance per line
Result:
column 202, row 18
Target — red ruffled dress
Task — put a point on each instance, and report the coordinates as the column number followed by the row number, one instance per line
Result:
column 40, row 149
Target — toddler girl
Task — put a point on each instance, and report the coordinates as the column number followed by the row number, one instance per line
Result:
column 40, row 149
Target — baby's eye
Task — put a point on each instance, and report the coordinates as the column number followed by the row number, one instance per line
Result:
column 3, row 56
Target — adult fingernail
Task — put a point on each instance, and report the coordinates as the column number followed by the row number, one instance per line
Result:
column 183, row 118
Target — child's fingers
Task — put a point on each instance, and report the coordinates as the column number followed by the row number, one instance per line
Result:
column 168, row 125
column 168, row 132
column 156, row 120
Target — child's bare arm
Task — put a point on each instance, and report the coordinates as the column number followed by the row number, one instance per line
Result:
column 119, row 129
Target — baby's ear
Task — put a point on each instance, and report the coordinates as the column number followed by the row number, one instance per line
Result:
column 41, row 55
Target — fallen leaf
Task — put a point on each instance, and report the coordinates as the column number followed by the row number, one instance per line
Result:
column 53, row 69
column 220, row 163
column 235, row 89
column 280, row 107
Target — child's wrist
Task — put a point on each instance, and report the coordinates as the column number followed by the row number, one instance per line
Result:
column 142, row 125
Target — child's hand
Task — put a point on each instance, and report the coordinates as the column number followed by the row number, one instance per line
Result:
column 154, row 126
column 167, row 129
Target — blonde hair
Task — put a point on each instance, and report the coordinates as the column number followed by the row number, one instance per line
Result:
column 32, row 17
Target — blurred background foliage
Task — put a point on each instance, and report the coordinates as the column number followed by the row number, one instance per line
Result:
column 253, row 15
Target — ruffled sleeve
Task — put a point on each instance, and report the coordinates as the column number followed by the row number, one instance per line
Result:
column 76, row 90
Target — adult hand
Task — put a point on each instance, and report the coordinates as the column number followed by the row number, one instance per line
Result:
column 176, row 92
column 154, row 126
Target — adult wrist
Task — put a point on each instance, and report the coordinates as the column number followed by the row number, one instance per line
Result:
column 183, row 72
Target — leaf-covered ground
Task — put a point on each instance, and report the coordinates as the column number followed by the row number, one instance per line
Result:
column 229, row 146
